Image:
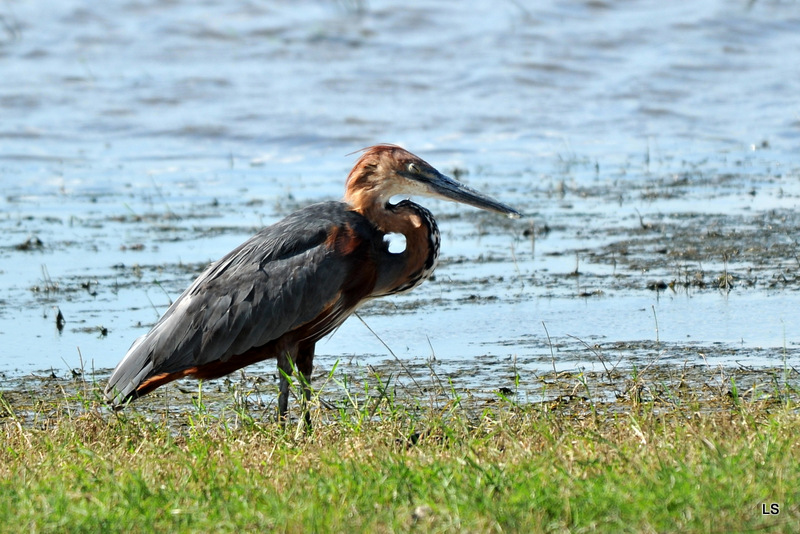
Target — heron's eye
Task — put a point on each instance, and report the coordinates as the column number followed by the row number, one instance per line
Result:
column 413, row 168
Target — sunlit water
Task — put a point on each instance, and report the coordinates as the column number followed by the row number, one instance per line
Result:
column 149, row 133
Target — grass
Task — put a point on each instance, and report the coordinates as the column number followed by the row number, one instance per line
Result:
column 379, row 463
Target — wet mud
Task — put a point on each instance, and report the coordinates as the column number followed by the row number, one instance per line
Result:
column 42, row 400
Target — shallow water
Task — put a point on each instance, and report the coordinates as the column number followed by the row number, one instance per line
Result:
column 646, row 142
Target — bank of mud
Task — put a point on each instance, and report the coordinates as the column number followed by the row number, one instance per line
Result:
column 351, row 389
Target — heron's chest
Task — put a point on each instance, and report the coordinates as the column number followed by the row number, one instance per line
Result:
column 425, row 265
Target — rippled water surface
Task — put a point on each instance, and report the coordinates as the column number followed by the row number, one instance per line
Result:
column 652, row 146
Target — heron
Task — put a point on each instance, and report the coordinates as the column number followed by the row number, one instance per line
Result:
column 297, row 280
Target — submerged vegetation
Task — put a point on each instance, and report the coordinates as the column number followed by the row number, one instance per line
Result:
column 664, row 455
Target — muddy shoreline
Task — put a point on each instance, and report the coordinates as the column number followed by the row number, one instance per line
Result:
column 41, row 400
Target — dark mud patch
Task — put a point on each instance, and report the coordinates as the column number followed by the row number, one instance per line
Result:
column 705, row 251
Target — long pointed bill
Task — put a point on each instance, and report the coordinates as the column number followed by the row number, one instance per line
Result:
column 445, row 187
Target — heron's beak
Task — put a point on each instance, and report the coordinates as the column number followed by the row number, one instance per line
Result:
column 445, row 187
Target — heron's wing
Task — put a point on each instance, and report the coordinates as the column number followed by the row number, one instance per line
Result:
column 301, row 270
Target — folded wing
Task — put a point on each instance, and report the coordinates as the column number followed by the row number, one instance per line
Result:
column 311, row 268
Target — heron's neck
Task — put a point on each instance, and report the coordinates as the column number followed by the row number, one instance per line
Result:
column 416, row 263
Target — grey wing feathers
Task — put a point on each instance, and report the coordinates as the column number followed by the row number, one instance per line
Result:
column 276, row 281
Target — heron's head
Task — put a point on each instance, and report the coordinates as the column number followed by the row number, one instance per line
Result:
column 384, row 171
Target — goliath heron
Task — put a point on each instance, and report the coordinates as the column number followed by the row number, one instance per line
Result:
column 292, row 283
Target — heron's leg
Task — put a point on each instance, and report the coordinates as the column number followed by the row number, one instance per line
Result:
column 305, row 365
column 284, row 371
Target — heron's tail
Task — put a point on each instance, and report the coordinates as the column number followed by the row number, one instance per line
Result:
column 123, row 385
